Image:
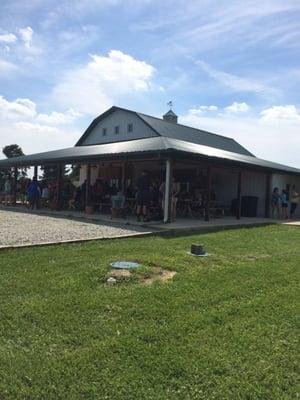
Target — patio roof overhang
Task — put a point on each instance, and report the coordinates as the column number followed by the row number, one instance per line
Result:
column 157, row 147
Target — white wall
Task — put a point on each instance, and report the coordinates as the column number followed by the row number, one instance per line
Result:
column 225, row 184
column 119, row 118
column 254, row 184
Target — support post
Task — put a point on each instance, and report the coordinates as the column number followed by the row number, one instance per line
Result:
column 239, row 197
column 14, row 188
column 207, row 202
column 59, row 187
column 35, row 172
column 268, row 195
column 123, row 183
column 88, row 185
column 168, row 192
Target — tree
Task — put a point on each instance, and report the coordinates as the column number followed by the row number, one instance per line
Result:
column 50, row 172
column 14, row 150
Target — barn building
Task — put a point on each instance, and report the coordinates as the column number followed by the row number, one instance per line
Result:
column 120, row 143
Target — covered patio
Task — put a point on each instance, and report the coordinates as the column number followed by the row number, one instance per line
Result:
column 211, row 184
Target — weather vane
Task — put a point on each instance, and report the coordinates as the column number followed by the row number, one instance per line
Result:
column 170, row 103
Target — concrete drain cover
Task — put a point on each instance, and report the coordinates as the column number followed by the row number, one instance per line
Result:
column 125, row 265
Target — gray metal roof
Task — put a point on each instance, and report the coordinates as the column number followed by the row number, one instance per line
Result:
column 193, row 135
column 141, row 147
column 175, row 131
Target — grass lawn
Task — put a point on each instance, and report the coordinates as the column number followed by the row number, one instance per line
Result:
column 225, row 327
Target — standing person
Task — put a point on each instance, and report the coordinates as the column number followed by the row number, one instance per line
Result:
column 34, row 193
column 275, row 203
column 45, row 196
column 295, row 197
column 7, row 192
column 143, row 196
column 284, row 204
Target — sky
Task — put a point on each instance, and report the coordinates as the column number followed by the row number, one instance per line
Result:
column 229, row 67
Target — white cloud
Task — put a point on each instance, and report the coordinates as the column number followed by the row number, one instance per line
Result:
column 34, row 138
column 8, row 38
column 277, row 141
column 6, row 67
column 202, row 109
column 95, row 86
column 235, row 83
column 21, row 123
column 36, row 128
column 236, row 107
column 18, row 108
column 288, row 112
column 58, row 118
column 26, row 109
column 26, row 35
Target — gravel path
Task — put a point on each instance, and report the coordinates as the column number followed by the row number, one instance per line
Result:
column 20, row 229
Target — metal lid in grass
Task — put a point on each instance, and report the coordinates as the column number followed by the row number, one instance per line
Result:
column 125, row 265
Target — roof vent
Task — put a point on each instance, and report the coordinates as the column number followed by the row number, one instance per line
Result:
column 170, row 116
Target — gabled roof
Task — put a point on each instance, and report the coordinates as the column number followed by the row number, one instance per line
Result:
column 193, row 135
column 149, row 146
column 175, row 131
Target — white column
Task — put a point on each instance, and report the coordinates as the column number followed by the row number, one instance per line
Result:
column 167, row 192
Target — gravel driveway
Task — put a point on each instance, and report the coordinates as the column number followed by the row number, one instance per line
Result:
column 20, row 229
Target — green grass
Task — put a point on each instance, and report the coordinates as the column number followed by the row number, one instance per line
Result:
column 224, row 328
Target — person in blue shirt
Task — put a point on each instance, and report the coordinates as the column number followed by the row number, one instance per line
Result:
column 34, row 193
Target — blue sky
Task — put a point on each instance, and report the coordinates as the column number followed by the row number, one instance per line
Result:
column 231, row 67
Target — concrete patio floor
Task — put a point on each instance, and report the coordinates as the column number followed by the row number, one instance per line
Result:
column 181, row 224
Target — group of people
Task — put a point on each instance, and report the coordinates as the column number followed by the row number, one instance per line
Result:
column 146, row 197
column 284, row 204
column 28, row 191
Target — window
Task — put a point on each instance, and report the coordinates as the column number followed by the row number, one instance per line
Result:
column 130, row 128
column 117, row 130
column 104, row 131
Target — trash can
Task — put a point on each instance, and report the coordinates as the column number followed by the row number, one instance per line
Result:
column 249, row 206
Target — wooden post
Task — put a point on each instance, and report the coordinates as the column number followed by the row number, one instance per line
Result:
column 14, row 188
column 35, row 173
column 268, row 195
column 59, row 187
column 88, row 185
column 168, row 192
column 239, row 198
column 208, row 188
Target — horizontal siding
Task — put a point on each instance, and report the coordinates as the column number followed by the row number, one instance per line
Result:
column 121, row 119
column 224, row 183
column 254, row 184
